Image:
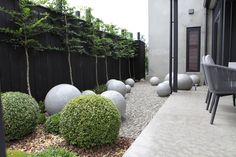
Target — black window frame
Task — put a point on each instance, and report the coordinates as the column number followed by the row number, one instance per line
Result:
column 187, row 48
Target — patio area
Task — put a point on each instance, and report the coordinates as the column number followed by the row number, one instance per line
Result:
column 182, row 128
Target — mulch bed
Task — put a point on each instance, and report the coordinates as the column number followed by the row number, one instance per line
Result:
column 39, row 140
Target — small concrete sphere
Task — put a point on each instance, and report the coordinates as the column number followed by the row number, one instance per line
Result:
column 195, row 79
column 154, row 81
column 118, row 86
column 130, row 82
column 163, row 90
column 88, row 92
column 128, row 88
column 111, row 80
column 57, row 98
column 166, row 82
column 184, row 82
column 118, row 100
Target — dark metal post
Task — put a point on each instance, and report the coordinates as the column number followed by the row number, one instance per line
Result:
column 175, row 85
column 138, row 36
column 206, row 35
column 2, row 135
column 170, row 51
column 230, row 34
column 223, row 33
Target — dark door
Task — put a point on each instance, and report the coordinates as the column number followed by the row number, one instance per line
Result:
column 193, row 49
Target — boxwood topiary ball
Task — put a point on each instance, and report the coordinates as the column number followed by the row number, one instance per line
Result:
column 59, row 96
column 90, row 120
column 20, row 113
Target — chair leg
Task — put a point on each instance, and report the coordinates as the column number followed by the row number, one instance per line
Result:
column 212, row 103
column 209, row 100
column 215, row 109
column 234, row 100
column 207, row 97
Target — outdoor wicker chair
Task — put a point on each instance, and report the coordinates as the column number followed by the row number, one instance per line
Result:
column 221, row 82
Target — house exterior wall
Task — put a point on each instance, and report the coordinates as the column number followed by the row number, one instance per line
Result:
column 159, row 14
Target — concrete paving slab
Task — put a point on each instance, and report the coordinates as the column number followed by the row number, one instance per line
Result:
column 181, row 128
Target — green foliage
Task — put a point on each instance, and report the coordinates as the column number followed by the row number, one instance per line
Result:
column 20, row 112
column 100, row 89
column 16, row 153
column 41, row 118
column 90, row 120
column 41, row 106
column 55, row 152
column 27, row 26
column 52, row 123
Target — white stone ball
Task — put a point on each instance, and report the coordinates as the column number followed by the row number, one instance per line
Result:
column 118, row 100
column 111, row 80
column 163, row 90
column 154, row 81
column 184, row 82
column 195, row 79
column 118, row 86
column 166, row 82
column 130, row 82
column 128, row 88
column 88, row 92
column 57, row 98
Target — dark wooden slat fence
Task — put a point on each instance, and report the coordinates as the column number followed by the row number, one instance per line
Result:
column 49, row 68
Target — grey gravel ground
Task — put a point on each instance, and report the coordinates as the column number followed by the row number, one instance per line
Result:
column 142, row 104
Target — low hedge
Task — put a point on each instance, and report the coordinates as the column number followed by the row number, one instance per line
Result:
column 52, row 123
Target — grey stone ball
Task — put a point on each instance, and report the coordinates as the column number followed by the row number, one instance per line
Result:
column 163, row 90
column 166, row 82
column 130, row 82
column 111, row 80
column 118, row 100
column 154, row 81
column 57, row 98
column 184, row 82
column 88, row 92
column 128, row 88
column 168, row 76
column 196, row 79
column 118, row 86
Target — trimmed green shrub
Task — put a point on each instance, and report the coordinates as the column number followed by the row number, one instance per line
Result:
column 90, row 120
column 41, row 106
column 16, row 153
column 20, row 113
column 55, row 152
column 41, row 118
column 52, row 123
column 100, row 89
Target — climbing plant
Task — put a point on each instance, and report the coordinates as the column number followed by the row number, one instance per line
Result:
column 26, row 29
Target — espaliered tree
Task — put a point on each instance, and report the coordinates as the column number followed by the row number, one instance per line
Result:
column 124, row 49
column 68, row 31
column 26, row 29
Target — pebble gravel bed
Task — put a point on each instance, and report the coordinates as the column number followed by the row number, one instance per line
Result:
column 142, row 104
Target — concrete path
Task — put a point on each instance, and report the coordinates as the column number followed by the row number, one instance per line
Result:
column 181, row 128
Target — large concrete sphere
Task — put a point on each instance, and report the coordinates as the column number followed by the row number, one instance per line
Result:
column 184, row 82
column 166, row 82
column 59, row 96
column 163, row 90
column 154, row 81
column 130, row 82
column 168, row 76
column 195, row 79
column 118, row 86
column 128, row 88
column 118, row 100
column 111, row 80
column 88, row 92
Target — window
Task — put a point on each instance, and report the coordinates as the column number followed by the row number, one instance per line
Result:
column 193, row 49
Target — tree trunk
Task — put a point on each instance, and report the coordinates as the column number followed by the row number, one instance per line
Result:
column 106, row 68
column 27, row 70
column 68, row 51
column 119, row 69
column 96, row 68
column 129, row 67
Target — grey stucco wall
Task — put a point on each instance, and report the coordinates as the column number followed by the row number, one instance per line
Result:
column 159, row 33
